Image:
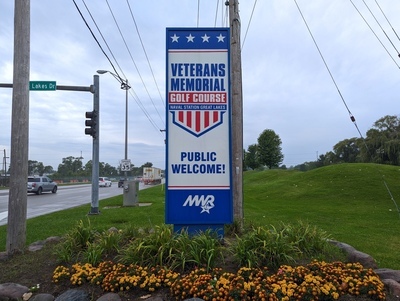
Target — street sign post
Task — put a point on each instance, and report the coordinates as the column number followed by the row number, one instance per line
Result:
column 42, row 86
column 126, row 165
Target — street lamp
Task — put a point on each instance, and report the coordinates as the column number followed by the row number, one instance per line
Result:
column 126, row 87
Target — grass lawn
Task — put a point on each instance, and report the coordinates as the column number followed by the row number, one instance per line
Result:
column 348, row 201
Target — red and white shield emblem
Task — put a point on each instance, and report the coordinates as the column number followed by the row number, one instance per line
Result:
column 197, row 122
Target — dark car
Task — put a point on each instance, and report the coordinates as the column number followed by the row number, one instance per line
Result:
column 121, row 182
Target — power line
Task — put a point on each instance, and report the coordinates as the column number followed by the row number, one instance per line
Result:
column 374, row 33
column 226, row 14
column 133, row 93
column 387, row 20
column 141, row 106
column 216, row 14
column 381, row 27
column 198, row 12
column 94, row 37
column 134, row 63
column 226, row 3
column 135, row 97
column 145, row 53
column 248, row 25
column 327, row 68
column 341, row 96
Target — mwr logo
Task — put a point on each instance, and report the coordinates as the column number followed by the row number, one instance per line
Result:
column 197, row 122
column 205, row 202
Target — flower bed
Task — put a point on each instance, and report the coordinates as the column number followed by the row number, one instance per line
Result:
column 316, row 281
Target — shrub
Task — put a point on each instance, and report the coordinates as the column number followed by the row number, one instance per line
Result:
column 285, row 244
column 257, row 247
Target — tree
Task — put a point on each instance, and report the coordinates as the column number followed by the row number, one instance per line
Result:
column 107, row 169
column 383, row 142
column 347, row 150
column 269, row 149
column 307, row 166
column 48, row 169
column 381, row 145
column 37, row 168
column 88, row 168
column 250, row 157
column 70, row 166
column 320, row 161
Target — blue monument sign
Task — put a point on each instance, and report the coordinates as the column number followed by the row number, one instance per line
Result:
column 198, row 172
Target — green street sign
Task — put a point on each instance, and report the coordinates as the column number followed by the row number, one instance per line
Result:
column 42, row 86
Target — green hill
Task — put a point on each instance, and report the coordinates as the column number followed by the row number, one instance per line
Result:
column 349, row 201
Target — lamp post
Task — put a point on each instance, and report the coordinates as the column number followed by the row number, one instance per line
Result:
column 126, row 87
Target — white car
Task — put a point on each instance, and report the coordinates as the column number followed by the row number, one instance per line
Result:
column 104, row 182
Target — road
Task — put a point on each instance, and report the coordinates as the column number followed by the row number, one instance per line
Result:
column 66, row 197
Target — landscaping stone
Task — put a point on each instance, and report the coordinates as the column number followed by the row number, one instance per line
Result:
column 42, row 297
column 110, row 297
column 388, row 274
column 73, row 295
column 366, row 260
column 354, row 255
column 4, row 256
column 12, row 291
column 155, row 298
column 38, row 245
column 393, row 287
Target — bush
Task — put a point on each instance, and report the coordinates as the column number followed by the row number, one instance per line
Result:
column 258, row 247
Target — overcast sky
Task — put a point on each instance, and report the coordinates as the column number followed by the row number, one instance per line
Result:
column 286, row 86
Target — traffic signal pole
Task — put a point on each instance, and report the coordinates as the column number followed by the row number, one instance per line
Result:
column 17, row 207
column 94, row 208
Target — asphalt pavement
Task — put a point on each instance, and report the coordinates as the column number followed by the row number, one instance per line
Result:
column 66, row 197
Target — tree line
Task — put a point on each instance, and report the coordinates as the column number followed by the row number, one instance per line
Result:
column 73, row 167
column 380, row 145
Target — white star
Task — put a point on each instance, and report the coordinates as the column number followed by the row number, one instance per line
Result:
column 175, row 38
column 190, row 38
column 207, row 207
column 220, row 38
column 205, row 38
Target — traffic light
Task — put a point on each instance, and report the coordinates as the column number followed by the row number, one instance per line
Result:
column 91, row 122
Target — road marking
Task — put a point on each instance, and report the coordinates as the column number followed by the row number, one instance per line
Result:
column 3, row 215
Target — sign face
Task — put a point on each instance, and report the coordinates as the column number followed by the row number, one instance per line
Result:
column 42, row 86
column 126, row 165
column 198, row 173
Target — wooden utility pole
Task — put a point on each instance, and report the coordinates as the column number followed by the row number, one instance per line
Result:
column 17, row 203
column 237, row 111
